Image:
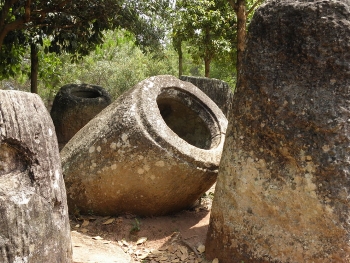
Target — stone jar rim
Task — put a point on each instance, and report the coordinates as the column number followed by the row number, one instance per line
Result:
column 152, row 121
column 83, row 92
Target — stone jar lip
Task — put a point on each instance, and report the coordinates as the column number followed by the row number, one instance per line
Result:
column 147, row 93
column 83, row 92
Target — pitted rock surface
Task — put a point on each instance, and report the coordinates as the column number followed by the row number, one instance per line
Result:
column 283, row 188
column 217, row 90
column 140, row 155
column 34, row 223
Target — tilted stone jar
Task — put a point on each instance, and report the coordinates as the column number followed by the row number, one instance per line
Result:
column 154, row 151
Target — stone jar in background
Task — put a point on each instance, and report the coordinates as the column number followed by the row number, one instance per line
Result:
column 34, row 223
column 74, row 106
column 283, row 187
column 217, row 90
column 154, row 151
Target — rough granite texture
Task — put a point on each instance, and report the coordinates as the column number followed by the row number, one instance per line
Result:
column 153, row 151
column 34, row 223
column 283, row 187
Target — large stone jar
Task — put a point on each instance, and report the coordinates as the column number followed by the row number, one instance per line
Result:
column 74, row 106
column 154, row 151
column 34, row 223
column 283, row 188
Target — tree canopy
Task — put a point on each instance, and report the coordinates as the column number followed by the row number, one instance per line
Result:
column 73, row 26
column 207, row 25
column 213, row 29
column 212, row 32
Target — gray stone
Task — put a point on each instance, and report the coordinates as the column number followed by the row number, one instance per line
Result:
column 34, row 223
column 217, row 90
column 283, row 188
column 74, row 106
column 153, row 151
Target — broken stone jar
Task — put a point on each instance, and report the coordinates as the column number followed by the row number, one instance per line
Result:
column 153, row 151
column 74, row 106
column 34, row 223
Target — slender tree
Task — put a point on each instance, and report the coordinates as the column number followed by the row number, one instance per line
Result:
column 207, row 26
column 240, row 8
column 34, row 68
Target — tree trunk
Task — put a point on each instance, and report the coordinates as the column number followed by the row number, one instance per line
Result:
column 179, row 52
column 208, row 55
column 34, row 68
column 207, row 67
column 241, row 37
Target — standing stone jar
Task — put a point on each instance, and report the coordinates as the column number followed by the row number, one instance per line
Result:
column 74, row 106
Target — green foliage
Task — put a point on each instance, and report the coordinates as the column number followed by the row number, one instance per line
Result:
column 118, row 65
column 49, row 70
column 11, row 57
column 207, row 26
column 73, row 27
column 136, row 226
column 224, row 68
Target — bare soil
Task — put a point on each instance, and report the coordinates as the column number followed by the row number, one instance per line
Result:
column 174, row 238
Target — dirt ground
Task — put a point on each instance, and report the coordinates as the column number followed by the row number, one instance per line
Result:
column 174, row 238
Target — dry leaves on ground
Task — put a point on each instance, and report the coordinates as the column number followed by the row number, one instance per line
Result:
column 176, row 250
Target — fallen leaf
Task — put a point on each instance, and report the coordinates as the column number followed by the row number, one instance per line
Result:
column 142, row 256
column 163, row 258
column 97, row 238
column 77, row 226
column 184, row 256
column 201, row 248
column 178, row 254
column 215, row 260
column 109, row 221
column 85, row 223
column 156, row 252
column 141, row 240
column 172, row 248
column 175, row 260
column 183, row 250
column 84, row 230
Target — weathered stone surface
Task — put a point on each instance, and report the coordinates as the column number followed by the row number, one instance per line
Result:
column 153, row 151
column 217, row 90
column 283, row 188
column 74, row 106
column 34, row 223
